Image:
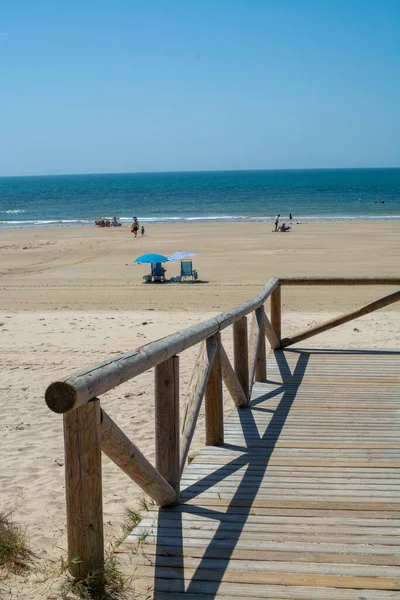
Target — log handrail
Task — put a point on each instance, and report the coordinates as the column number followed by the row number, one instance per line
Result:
column 82, row 386
column 339, row 280
column 336, row 321
column 89, row 430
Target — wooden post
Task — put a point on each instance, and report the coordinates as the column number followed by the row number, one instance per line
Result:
column 213, row 404
column 261, row 364
column 276, row 311
column 254, row 340
column 167, row 421
column 82, row 439
column 241, row 354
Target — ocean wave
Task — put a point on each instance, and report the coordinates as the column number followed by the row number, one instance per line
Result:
column 12, row 212
column 200, row 219
column 178, row 218
column 39, row 222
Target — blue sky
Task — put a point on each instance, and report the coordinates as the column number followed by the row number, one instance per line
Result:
column 166, row 85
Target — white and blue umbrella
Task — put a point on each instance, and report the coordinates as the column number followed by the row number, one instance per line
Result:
column 182, row 254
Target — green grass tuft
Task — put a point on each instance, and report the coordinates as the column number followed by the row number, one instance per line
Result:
column 132, row 520
column 15, row 554
column 112, row 585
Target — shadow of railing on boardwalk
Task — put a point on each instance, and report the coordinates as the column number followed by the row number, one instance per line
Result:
column 169, row 565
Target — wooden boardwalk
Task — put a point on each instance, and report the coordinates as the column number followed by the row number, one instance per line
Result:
column 302, row 502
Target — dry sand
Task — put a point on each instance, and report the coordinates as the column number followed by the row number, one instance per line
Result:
column 92, row 269
column 71, row 297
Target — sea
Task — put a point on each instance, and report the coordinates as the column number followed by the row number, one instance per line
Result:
column 187, row 197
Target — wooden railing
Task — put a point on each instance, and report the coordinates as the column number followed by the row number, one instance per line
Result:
column 88, row 429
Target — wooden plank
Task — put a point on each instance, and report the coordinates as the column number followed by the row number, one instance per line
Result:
column 247, row 566
column 336, row 321
column 249, row 501
column 310, row 445
column 326, row 453
column 304, row 462
column 256, row 536
column 267, row 578
column 282, row 479
column 167, row 421
column 196, row 483
column 172, row 588
column 259, row 478
column 191, row 515
column 266, row 555
column 362, row 533
column 266, row 545
column 227, row 509
column 167, row 590
column 251, row 489
column 288, row 471
column 240, row 354
column 197, row 388
column 214, row 400
column 83, row 489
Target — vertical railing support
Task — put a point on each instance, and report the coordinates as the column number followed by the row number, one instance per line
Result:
column 261, row 364
column 213, row 401
column 276, row 311
column 82, row 439
column 167, row 421
column 241, row 354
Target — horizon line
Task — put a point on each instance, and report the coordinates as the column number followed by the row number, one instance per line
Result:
column 200, row 171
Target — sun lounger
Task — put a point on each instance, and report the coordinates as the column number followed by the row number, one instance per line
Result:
column 157, row 271
column 187, row 269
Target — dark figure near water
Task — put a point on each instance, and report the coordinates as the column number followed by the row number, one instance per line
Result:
column 290, row 217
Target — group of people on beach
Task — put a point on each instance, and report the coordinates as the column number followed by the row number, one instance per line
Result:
column 134, row 227
column 282, row 227
column 108, row 223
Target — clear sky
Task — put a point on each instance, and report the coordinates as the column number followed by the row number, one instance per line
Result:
column 95, row 86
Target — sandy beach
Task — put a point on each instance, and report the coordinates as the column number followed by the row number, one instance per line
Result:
column 92, row 268
column 71, row 297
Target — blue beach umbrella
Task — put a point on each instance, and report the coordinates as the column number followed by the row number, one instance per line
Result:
column 180, row 255
column 150, row 258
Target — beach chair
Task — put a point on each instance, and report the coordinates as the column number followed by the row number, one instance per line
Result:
column 187, row 269
column 157, row 271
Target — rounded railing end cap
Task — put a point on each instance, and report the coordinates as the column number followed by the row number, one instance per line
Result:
column 60, row 397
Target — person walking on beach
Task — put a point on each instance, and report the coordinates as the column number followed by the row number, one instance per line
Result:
column 290, row 217
column 135, row 226
column 277, row 222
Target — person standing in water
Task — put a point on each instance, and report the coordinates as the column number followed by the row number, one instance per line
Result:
column 290, row 217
